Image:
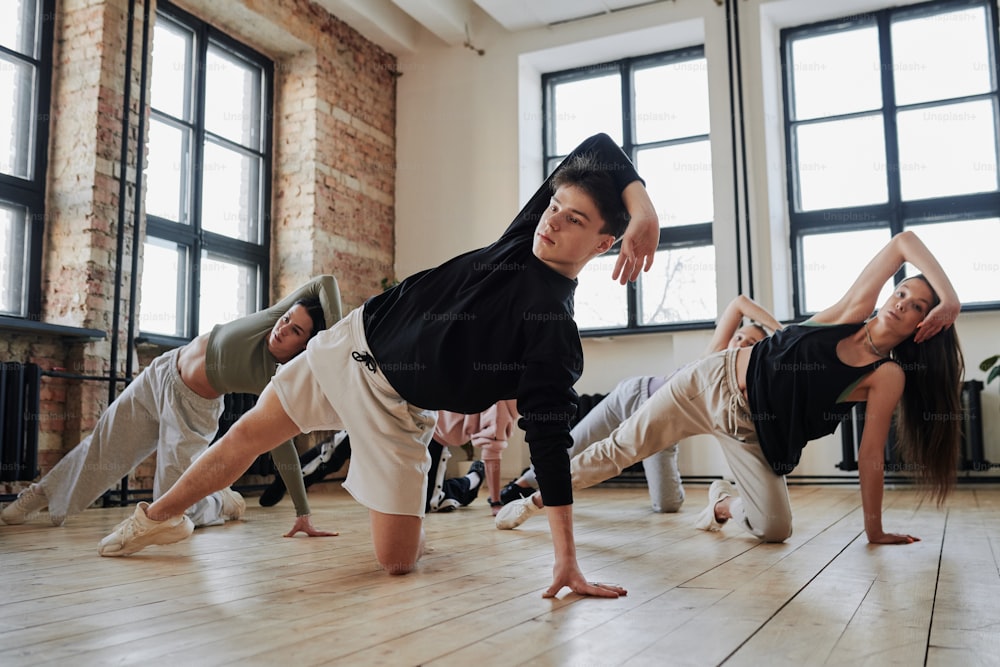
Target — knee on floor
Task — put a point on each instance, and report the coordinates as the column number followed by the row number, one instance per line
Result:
column 671, row 506
column 397, row 567
column 777, row 529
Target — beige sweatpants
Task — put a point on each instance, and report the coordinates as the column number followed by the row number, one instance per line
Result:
column 702, row 398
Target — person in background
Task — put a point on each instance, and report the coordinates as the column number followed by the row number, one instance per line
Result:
column 172, row 408
column 666, row 492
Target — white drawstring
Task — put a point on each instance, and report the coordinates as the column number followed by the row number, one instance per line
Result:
column 735, row 404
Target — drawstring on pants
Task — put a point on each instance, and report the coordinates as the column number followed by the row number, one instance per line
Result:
column 365, row 358
column 735, row 404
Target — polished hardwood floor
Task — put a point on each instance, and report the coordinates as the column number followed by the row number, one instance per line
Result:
column 241, row 594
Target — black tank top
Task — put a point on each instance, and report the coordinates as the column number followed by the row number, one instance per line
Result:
column 794, row 380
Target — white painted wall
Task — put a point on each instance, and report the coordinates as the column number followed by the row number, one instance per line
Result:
column 469, row 135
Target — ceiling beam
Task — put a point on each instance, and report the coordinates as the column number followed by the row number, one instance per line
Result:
column 379, row 21
column 445, row 18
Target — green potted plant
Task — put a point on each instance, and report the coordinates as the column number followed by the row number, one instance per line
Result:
column 991, row 366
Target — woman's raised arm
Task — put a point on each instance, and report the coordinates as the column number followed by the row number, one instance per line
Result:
column 861, row 298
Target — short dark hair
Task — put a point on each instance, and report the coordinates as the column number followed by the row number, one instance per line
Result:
column 315, row 310
column 587, row 173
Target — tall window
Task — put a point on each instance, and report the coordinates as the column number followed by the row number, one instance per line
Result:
column 656, row 108
column 25, row 76
column 891, row 124
column 205, row 259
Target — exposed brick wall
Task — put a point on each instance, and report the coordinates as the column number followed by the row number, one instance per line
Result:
column 334, row 142
column 332, row 187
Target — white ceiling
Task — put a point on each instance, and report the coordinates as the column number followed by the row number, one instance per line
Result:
column 396, row 25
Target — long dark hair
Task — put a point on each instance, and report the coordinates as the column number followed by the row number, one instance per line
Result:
column 929, row 419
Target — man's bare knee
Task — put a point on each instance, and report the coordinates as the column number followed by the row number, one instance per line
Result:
column 397, row 566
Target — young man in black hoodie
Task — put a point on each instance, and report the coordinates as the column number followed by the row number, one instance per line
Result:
column 491, row 324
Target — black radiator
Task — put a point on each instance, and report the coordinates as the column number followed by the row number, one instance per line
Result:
column 19, row 412
column 972, row 455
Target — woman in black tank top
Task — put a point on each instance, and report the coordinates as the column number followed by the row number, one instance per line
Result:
column 905, row 356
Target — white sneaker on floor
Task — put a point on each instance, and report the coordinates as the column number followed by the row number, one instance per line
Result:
column 516, row 512
column 139, row 531
column 706, row 520
column 29, row 502
column 233, row 505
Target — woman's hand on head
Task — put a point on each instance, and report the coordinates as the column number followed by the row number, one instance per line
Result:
column 941, row 317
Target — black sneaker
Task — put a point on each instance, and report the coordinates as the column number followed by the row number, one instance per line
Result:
column 513, row 492
column 479, row 468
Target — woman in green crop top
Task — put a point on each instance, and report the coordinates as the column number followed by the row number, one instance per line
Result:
column 764, row 403
column 173, row 408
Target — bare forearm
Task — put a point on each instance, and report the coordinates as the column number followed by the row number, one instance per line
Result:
column 756, row 312
column 871, row 475
column 638, row 204
column 912, row 249
column 561, row 527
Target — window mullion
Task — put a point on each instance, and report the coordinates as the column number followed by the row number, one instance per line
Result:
column 196, row 177
column 889, row 122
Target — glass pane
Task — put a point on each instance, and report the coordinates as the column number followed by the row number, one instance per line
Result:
column 671, row 101
column 836, row 73
column 680, row 287
column 679, row 182
column 948, row 150
column 232, row 98
column 831, row 262
column 230, row 202
column 586, row 107
column 13, row 277
column 941, row 56
column 171, row 82
column 841, row 163
column 18, row 29
column 163, row 288
column 166, row 169
column 967, row 251
column 17, row 122
column 228, row 291
column 600, row 301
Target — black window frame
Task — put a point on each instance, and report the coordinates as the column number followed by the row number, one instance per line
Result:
column 31, row 193
column 197, row 240
column 675, row 237
column 895, row 214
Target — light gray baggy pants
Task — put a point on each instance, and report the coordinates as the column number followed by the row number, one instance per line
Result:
column 156, row 412
column 666, row 493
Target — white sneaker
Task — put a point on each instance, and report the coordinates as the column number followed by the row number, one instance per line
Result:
column 29, row 502
column 139, row 531
column 233, row 505
column 516, row 512
column 706, row 520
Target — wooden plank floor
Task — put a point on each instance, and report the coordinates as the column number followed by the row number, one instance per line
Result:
column 241, row 594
